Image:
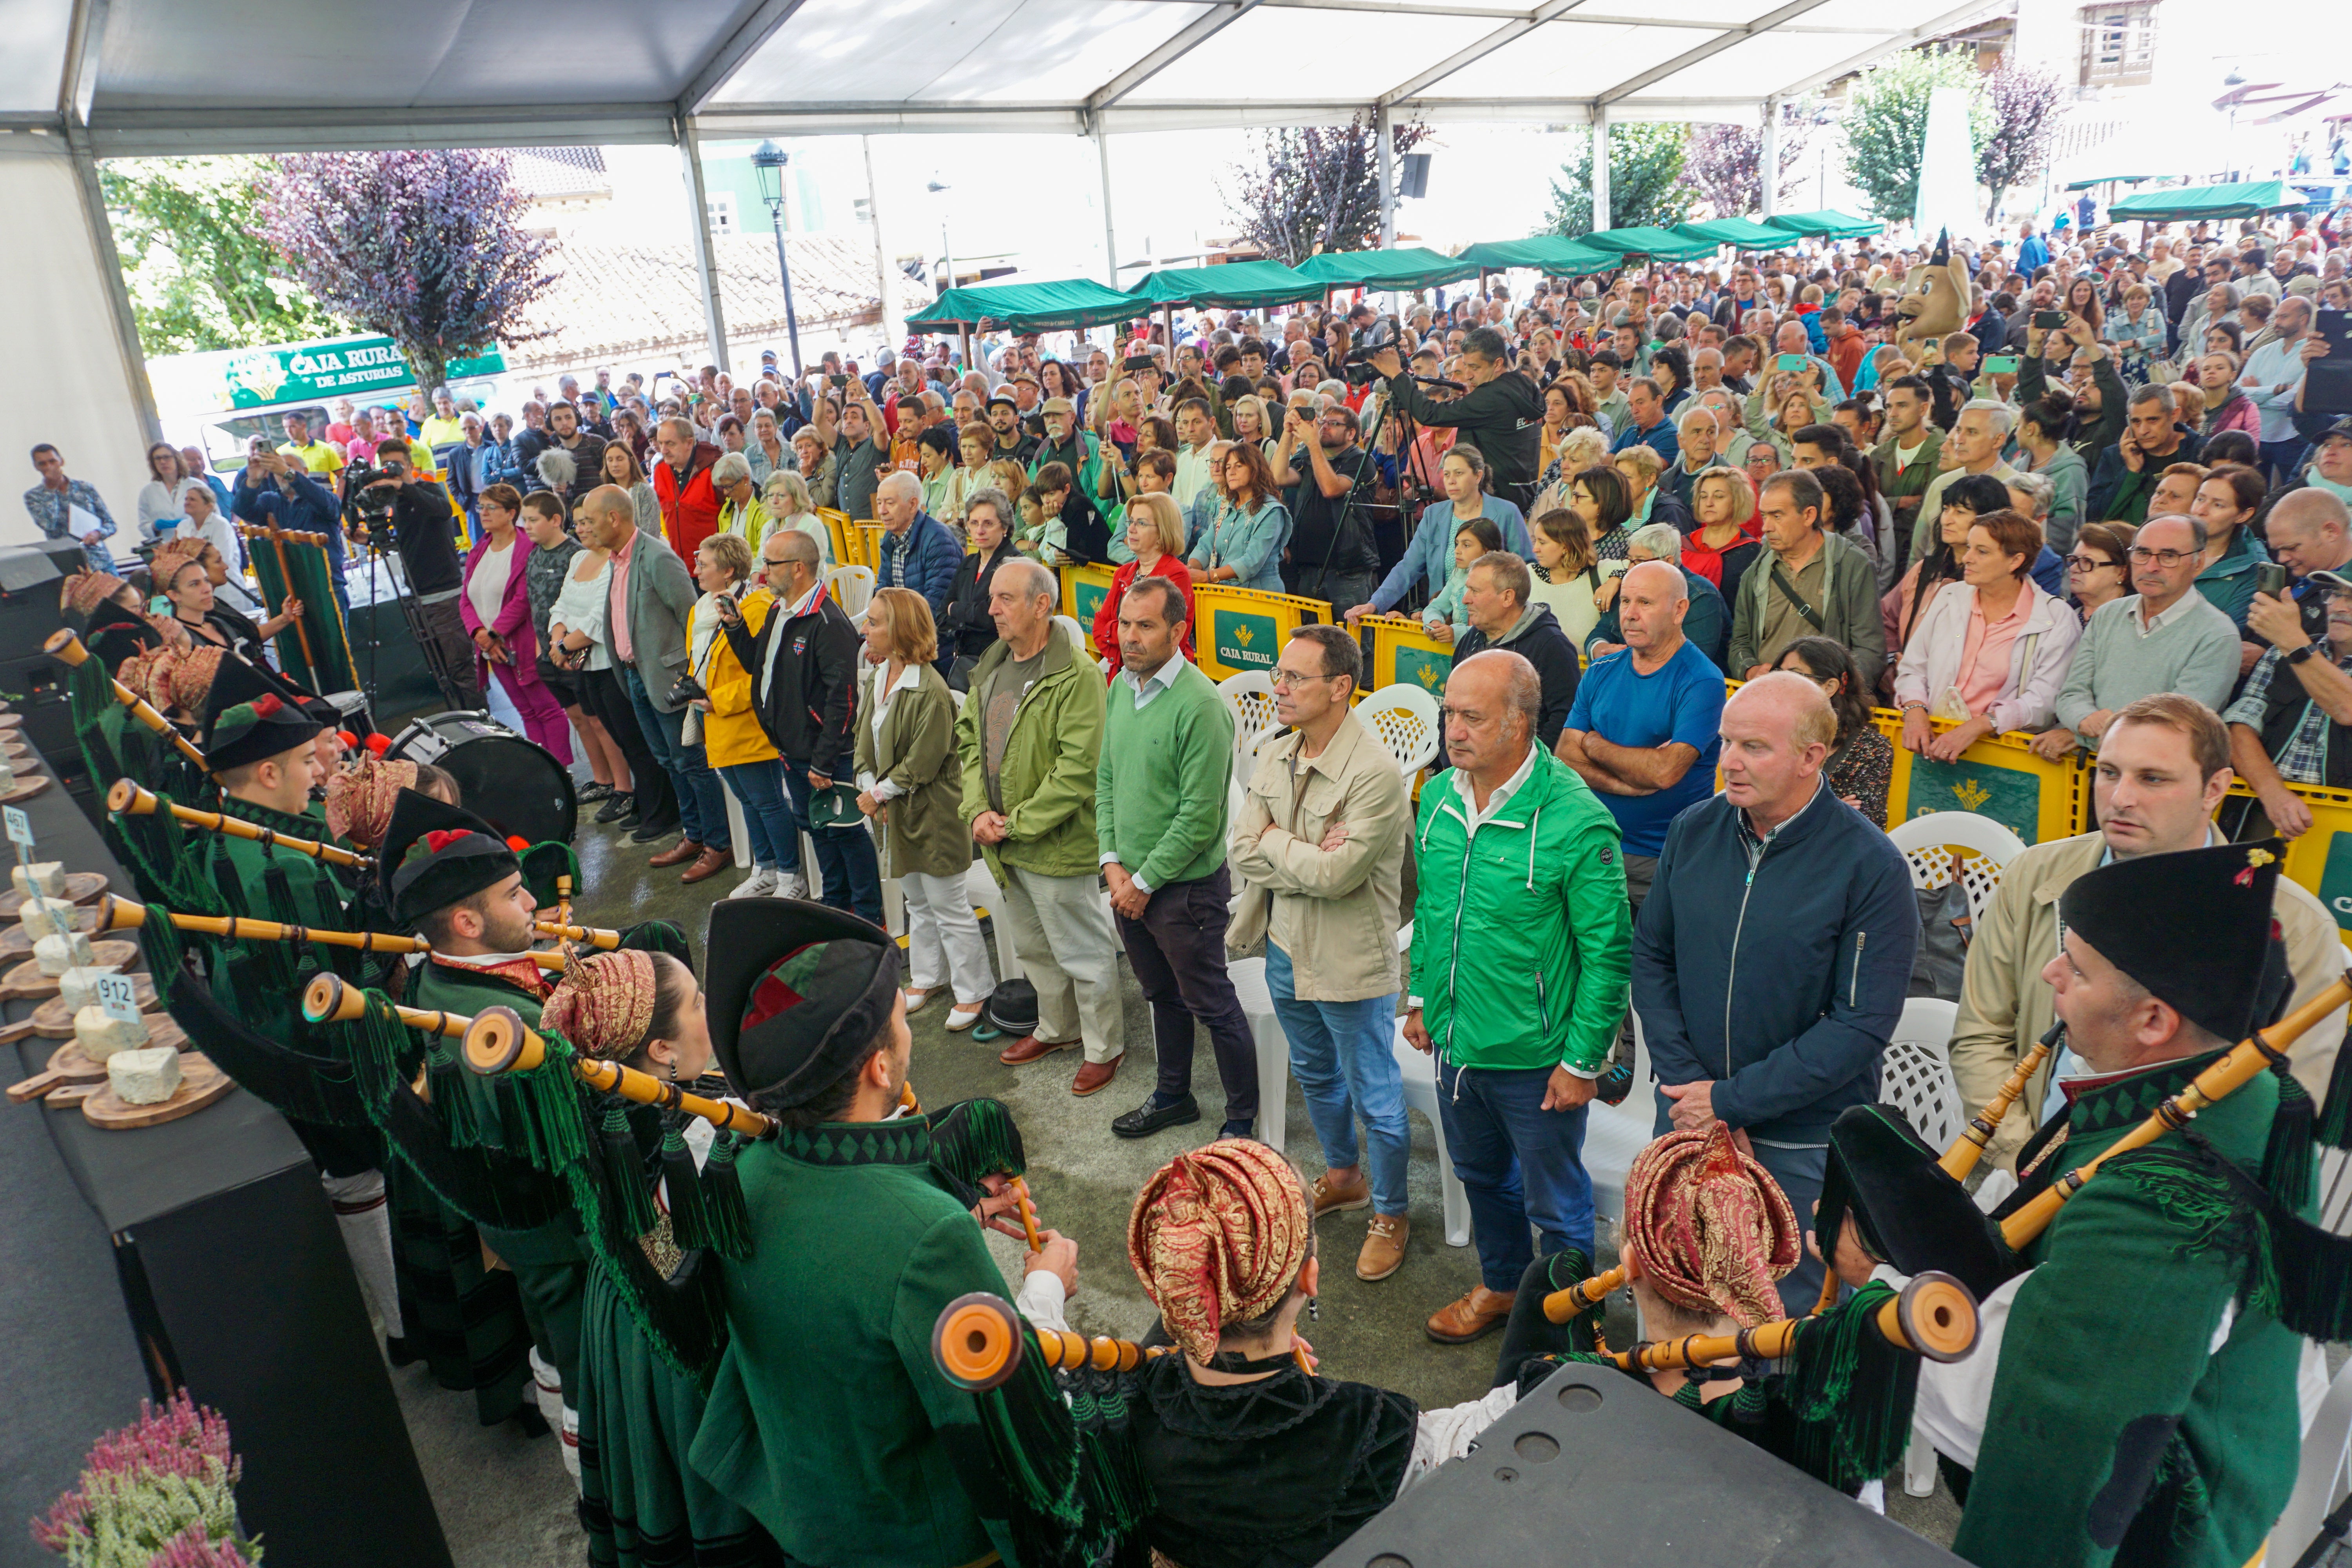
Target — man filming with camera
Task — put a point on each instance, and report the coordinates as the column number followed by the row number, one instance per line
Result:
column 274, row 491
column 1501, row 414
column 1332, row 554
column 386, row 508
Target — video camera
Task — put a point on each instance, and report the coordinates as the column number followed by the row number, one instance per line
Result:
column 1356, row 367
column 369, row 497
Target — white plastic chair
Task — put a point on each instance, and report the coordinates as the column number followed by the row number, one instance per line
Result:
column 1420, row 1070
column 1405, row 717
column 1272, row 1049
column 852, row 588
column 1914, row 1076
column 1927, row 842
column 1077, row 633
column 2319, row 1480
column 1250, row 695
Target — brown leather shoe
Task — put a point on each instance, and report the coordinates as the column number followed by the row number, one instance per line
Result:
column 1383, row 1252
column 1474, row 1316
column 1330, row 1197
column 1095, row 1076
column 710, row 863
column 1030, row 1048
column 678, row 854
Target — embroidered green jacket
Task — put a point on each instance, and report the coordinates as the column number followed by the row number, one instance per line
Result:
column 264, row 882
column 2141, row 1412
column 827, row 1420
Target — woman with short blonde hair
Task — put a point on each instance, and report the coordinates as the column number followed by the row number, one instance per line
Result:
column 789, row 505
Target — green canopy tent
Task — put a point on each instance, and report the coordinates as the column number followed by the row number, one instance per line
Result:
column 2192, row 204
column 1066, row 305
column 2111, row 179
column 1658, row 244
column 1237, row 285
column 1408, row 267
column 1825, row 225
column 1548, row 254
column 1745, row 233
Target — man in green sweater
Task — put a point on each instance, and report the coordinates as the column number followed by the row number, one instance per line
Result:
column 1159, row 818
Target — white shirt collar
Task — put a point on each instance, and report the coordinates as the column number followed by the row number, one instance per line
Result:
column 476, row 960
column 1502, row 792
column 1161, row 678
column 2178, row 608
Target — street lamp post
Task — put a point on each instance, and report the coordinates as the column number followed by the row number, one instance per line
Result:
column 769, row 161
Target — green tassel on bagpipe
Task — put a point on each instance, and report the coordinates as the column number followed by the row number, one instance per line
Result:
column 726, row 1217
column 1850, row 1393
column 542, row 1115
column 2289, row 1158
column 625, row 1176
column 543, row 864
column 2333, row 1125
column 682, row 1184
column 456, row 1094
column 1118, row 1493
column 166, row 862
column 2291, row 1269
column 659, row 936
column 1067, row 1469
column 973, row 1139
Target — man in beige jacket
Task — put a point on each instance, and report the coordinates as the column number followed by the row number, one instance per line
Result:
column 2162, row 771
column 1319, row 844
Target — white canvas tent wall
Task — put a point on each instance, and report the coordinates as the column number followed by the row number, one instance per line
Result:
column 84, row 79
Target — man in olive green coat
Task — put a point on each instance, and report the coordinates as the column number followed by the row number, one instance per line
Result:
column 1029, row 737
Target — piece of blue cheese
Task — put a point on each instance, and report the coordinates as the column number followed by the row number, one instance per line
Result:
column 41, row 879
column 80, row 987
column 101, row 1035
column 56, row 954
column 48, row 916
column 147, row 1076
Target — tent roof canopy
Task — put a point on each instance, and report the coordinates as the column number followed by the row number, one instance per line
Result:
column 1236, row 284
column 1060, row 306
column 1407, row 267
column 1657, row 244
column 1826, row 225
column 147, row 77
column 2246, row 198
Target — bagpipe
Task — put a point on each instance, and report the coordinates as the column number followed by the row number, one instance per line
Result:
column 68, row 649
column 115, row 913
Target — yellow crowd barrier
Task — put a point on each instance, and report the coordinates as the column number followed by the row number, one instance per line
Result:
column 1399, row 653
column 1083, row 588
column 870, row 544
column 1999, row 777
column 1235, row 629
column 2321, row 859
column 846, row 542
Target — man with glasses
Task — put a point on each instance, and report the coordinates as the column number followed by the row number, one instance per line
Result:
column 1319, row 843
column 1331, row 553
column 2165, row 637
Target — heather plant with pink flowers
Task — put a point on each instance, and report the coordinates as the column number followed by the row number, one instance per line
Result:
column 160, row 1493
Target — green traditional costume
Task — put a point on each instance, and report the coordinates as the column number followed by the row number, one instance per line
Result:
column 827, row 1420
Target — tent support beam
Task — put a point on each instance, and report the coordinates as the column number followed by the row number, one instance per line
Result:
column 706, row 264
column 1384, row 133
column 1110, row 229
column 1518, row 27
column 1599, row 167
column 1190, row 37
column 1767, row 166
column 1885, row 47
column 1713, row 47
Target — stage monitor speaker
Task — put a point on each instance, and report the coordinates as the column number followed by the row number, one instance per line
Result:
column 1592, row 1466
column 1416, row 175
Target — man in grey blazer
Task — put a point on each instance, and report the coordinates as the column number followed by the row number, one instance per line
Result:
column 652, row 595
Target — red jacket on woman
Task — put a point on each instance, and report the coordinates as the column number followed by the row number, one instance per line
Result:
column 1171, row 567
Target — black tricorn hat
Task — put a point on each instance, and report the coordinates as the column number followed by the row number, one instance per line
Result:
column 248, row 719
column 2194, row 928
column 1910, row 1211
column 435, row 855
column 796, row 994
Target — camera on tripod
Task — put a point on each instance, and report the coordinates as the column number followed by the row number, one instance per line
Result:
column 1356, row 367
column 369, row 497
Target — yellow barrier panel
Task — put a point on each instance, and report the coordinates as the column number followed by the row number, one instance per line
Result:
column 870, row 544
column 844, row 539
column 2321, row 860
column 1402, row 654
column 1083, row 588
column 1999, row 777
column 1235, row 629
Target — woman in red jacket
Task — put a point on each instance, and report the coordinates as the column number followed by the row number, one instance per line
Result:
column 1155, row 532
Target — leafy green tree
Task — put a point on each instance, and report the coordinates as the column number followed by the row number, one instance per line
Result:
column 199, row 272
column 1887, row 123
column 1645, row 181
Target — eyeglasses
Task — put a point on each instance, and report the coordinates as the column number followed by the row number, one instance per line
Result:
column 2088, row 562
column 1284, row 680
column 2143, row 556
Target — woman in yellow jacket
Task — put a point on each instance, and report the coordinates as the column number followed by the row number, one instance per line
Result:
column 746, row 758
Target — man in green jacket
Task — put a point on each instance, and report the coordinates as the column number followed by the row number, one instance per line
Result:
column 1029, row 736
column 1521, row 946
column 1160, row 819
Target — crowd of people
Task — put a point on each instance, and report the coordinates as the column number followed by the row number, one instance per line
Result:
column 2075, row 521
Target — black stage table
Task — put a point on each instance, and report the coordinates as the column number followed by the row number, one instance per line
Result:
column 236, row 1286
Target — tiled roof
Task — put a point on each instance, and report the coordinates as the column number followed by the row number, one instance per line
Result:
column 643, row 298
column 556, row 172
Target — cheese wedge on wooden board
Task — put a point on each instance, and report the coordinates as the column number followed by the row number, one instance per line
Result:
column 56, row 954
column 100, row 1035
column 41, row 879
column 80, row 987
column 46, row 917
column 147, row 1076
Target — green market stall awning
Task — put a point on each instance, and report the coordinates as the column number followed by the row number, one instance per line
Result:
column 1658, row 244
column 1236, row 284
column 1062, row 306
column 1742, row 232
column 2111, row 179
column 2246, row 198
column 1407, row 267
column 1547, row 253
column 1826, row 225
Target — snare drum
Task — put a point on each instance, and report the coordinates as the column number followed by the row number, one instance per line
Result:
column 509, row 781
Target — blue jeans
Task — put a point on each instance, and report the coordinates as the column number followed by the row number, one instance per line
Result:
column 701, row 809
column 844, row 856
column 1799, row 1170
column 767, row 815
column 1343, row 1055
column 1519, row 1163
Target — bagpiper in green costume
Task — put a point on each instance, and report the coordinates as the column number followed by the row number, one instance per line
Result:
column 2141, row 1406
column 828, row 1421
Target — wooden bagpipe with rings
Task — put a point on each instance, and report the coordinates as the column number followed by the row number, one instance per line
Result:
column 68, row 649
column 116, row 914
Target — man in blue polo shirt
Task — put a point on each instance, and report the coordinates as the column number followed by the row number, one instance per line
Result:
column 1644, row 731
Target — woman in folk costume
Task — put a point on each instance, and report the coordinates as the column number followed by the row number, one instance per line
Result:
column 114, row 624
column 1252, row 1461
column 638, row 1411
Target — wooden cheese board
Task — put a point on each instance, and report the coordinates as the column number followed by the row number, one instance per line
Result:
column 26, row 982
column 81, row 888
column 15, row 941
column 28, row 786
column 51, row 1021
column 201, row 1084
column 67, row 1066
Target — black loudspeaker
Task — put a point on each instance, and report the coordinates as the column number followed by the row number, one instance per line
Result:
column 30, row 575
column 1416, row 175
column 1593, row 1467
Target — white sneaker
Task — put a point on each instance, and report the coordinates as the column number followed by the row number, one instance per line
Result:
column 758, row 885
column 790, row 885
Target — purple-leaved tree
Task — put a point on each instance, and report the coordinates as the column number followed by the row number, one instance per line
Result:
column 2025, row 107
column 1723, row 159
column 1315, row 187
column 425, row 247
